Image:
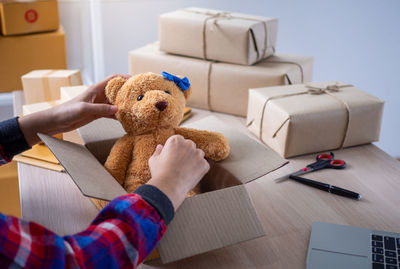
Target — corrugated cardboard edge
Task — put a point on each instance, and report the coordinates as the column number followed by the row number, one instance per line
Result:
column 222, row 217
column 89, row 175
column 220, row 206
column 216, row 219
column 265, row 156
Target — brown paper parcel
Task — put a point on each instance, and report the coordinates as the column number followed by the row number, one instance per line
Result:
column 219, row 86
column 220, row 216
column 306, row 118
column 216, row 35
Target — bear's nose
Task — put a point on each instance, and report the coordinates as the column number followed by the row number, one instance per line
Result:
column 161, row 105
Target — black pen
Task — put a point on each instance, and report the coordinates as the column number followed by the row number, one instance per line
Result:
column 327, row 187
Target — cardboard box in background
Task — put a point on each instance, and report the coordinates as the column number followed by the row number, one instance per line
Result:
column 44, row 85
column 69, row 92
column 22, row 54
column 10, row 203
column 220, row 216
column 300, row 119
column 216, row 35
column 220, row 86
column 23, row 17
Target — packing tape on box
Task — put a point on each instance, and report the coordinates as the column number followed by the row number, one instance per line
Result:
column 210, row 63
column 227, row 15
column 46, row 85
column 330, row 89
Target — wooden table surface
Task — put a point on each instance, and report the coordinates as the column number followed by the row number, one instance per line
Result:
column 286, row 209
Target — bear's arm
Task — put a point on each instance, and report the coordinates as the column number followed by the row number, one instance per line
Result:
column 214, row 145
column 119, row 158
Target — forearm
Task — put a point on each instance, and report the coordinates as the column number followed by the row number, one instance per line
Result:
column 39, row 122
column 12, row 140
column 122, row 235
column 126, row 232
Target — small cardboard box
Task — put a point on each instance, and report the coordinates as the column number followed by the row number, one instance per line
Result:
column 306, row 118
column 23, row 17
column 44, row 85
column 70, row 92
column 220, row 216
column 22, row 54
column 220, row 86
column 216, row 35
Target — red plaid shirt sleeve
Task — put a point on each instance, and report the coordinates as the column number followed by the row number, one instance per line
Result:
column 121, row 236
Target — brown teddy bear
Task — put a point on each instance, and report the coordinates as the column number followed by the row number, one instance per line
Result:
column 150, row 108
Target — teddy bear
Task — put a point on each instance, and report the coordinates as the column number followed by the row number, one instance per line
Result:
column 150, row 108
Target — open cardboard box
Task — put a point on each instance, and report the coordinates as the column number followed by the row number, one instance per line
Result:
column 223, row 214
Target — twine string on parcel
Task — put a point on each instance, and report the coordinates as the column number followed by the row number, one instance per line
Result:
column 227, row 15
column 210, row 64
column 313, row 90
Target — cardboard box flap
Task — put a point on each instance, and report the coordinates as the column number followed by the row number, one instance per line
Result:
column 210, row 221
column 100, row 135
column 88, row 174
column 248, row 159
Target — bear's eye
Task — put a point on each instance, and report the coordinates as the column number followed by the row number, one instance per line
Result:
column 168, row 92
column 140, row 97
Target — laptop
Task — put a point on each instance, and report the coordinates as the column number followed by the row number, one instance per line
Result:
column 339, row 246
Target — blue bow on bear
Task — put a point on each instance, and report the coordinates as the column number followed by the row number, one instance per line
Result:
column 182, row 83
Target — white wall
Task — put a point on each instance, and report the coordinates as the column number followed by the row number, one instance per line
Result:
column 353, row 41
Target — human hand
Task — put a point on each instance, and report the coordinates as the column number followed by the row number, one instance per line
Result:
column 70, row 115
column 177, row 167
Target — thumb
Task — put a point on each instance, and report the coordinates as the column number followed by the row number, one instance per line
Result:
column 101, row 109
column 158, row 150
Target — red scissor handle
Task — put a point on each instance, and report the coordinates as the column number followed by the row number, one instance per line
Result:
column 325, row 157
column 337, row 163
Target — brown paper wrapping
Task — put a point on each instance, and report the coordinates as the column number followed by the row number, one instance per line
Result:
column 216, row 35
column 294, row 121
column 220, row 86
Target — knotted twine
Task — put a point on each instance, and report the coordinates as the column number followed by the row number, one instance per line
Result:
column 227, row 15
column 313, row 90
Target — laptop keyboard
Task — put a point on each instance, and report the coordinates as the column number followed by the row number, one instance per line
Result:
column 385, row 252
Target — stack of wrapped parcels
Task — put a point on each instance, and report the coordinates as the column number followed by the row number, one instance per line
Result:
column 226, row 54
column 223, row 54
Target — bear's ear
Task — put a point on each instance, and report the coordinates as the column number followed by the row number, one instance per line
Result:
column 112, row 88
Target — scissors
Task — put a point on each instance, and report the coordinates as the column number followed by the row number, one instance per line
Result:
column 323, row 161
